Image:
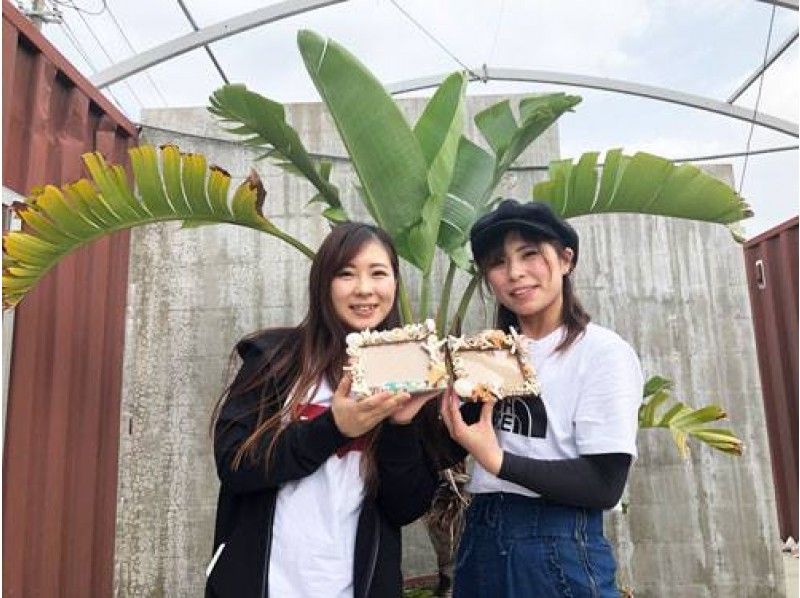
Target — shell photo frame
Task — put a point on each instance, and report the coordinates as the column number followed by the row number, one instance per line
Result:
column 490, row 366
column 409, row 359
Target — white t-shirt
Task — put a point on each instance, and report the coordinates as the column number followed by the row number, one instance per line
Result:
column 314, row 530
column 590, row 398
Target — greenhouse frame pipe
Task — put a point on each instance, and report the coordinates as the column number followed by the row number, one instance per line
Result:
column 763, row 68
column 206, row 35
column 288, row 8
column 613, row 85
column 790, row 4
column 233, row 26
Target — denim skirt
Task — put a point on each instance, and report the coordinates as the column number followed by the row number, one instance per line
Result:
column 514, row 546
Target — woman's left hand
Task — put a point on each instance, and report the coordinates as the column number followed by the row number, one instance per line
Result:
column 479, row 439
column 407, row 412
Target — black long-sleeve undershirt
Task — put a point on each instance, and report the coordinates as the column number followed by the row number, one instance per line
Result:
column 590, row 481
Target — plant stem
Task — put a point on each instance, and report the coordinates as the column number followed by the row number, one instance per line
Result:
column 406, row 315
column 464, row 304
column 425, row 296
column 296, row 243
column 444, row 299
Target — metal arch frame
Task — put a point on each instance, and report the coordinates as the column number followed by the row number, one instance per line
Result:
column 605, row 84
column 206, row 35
column 790, row 4
column 763, row 68
column 233, row 26
column 288, row 8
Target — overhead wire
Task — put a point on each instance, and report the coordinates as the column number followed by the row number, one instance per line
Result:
column 773, row 57
column 496, row 32
column 132, row 49
column 71, row 4
column 434, row 39
column 73, row 40
column 758, row 98
column 110, row 59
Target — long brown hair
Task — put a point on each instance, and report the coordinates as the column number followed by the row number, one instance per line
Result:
column 573, row 315
column 312, row 351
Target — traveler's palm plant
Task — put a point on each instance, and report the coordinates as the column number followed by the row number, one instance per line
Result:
column 425, row 185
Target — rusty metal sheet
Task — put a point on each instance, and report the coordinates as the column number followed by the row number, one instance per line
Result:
column 62, row 428
column 771, row 261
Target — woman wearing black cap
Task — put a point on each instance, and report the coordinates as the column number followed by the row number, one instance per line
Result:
column 545, row 466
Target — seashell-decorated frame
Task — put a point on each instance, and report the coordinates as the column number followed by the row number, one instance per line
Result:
column 491, row 365
column 409, row 359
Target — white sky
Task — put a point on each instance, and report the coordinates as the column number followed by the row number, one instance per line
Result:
column 704, row 47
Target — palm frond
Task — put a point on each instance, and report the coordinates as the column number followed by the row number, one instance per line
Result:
column 685, row 422
column 261, row 122
column 172, row 186
column 642, row 184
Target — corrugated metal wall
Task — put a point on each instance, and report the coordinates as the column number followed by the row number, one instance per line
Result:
column 62, row 431
column 771, row 262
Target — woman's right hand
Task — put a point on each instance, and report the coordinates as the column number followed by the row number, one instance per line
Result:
column 478, row 439
column 356, row 418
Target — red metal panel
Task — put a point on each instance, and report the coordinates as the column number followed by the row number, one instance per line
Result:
column 771, row 261
column 62, row 426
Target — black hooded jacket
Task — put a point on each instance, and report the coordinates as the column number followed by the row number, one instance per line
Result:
column 407, row 480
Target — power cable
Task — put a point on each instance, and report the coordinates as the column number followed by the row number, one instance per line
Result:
column 758, row 98
column 110, row 59
column 130, row 45
column 775, row 55
column 71, row 4
column 434, row 40
column 496, row 31
column 73, row 39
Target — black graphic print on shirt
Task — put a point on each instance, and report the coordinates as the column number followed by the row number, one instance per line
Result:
column 525, row 416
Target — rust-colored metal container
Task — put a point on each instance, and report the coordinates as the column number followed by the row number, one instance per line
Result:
column 62, row 428
column 771, row 261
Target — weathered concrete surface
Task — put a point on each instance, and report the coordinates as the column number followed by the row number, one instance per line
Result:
column 676, row 290
column 791, row 564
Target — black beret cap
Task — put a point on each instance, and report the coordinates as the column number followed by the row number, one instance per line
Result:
column 535, row 217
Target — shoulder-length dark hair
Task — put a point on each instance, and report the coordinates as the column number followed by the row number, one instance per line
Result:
column 573, row 315
column 313, row 351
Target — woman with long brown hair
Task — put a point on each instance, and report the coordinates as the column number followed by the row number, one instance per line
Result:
column 545, row 466
column 315, row 485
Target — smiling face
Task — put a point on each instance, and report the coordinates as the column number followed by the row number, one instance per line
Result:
column 363, row 290
column 527, row 278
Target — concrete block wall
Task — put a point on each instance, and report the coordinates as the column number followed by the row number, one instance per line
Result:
column 676, row 290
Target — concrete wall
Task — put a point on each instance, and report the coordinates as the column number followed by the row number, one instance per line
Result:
column 675, row 289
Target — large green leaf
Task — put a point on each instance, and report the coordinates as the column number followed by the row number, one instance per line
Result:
column 58, row 221
column 262, row 123
column 386, row 155
column 438, row 131
column 509, row 139
column 643, row 184
column 684, row 422
column 497, row 124
column 465, row 202
column 477, row 173
column 537, row 114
